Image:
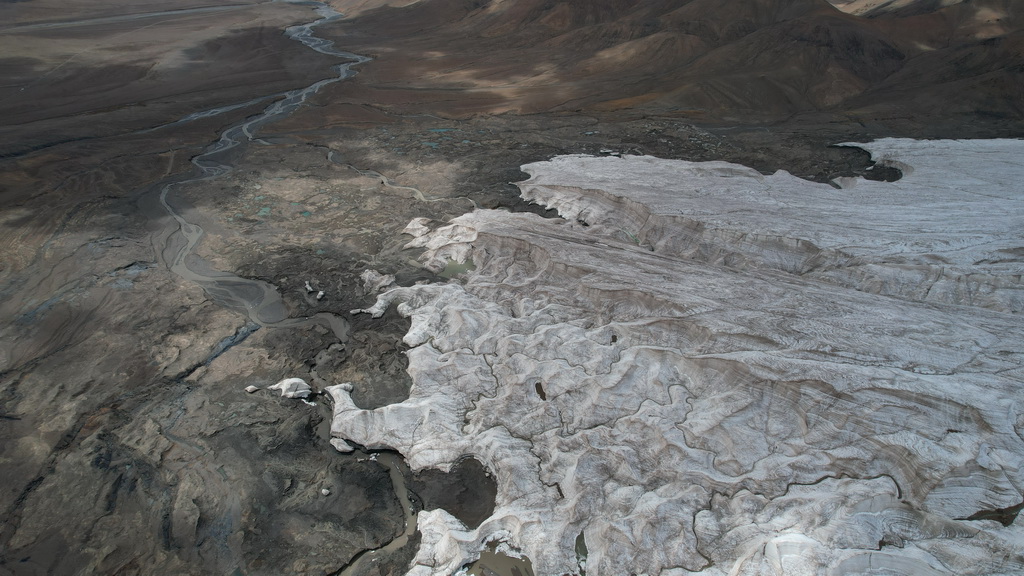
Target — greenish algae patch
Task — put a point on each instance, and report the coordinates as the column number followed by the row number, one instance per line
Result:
column 454, row 268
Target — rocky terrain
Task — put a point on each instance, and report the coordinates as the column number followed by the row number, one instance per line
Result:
column 914, row 66
column 150, row 276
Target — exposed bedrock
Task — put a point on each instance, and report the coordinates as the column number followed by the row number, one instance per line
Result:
column 695, row 415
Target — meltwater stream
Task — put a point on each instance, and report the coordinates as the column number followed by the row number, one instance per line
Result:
column 259, row 300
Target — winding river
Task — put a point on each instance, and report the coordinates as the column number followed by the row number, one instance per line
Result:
column 259, row 301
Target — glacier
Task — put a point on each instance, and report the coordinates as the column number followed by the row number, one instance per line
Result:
column 702, row 369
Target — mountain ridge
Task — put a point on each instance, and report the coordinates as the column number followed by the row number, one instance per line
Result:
column 759, row 60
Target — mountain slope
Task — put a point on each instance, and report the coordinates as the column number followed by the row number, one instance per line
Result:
column 749, row 59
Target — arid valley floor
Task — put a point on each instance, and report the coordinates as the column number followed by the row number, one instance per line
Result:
column 143, row 287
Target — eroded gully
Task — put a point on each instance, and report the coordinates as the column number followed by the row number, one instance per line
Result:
column 260, row 301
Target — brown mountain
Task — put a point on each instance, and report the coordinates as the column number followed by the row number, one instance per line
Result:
column 747, row 59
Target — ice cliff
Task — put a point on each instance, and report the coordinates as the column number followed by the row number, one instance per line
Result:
column 702, row 369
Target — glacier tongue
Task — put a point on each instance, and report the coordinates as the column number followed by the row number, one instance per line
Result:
column 705, row 369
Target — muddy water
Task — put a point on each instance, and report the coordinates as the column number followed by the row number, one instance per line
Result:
column 394, row 464
column 259, row 301
column 492, row 563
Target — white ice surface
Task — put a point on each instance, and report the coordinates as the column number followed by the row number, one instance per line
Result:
column 727, row 373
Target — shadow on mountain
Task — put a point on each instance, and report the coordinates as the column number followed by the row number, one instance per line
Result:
column 750, row 60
